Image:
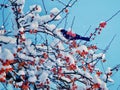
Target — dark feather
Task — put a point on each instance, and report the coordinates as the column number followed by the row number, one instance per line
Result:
column 18, row 79
column 8, row 76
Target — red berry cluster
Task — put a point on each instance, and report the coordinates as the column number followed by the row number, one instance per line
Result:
column 98, row 30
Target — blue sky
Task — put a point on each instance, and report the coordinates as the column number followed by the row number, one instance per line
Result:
column 92, row 12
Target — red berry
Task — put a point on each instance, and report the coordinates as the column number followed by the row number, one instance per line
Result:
column 102, row 24
column 51, row 15
column 35, row 31
column 19, row 49
column 21, row 32
column 31, row 31
column 14, row 54
column 19, row 10
column 66, row 10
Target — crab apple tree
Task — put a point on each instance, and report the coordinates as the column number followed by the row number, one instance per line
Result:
column 35, row 55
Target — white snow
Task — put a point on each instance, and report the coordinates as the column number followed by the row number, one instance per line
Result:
column 107, row 78
column 34, row 25
column 72, row 60
column 88, row 75
column 43, row 76
column 50, row 26
column 25, row 57
column 58, row 17
column 108, row 70
column 38, row 8
column 91, row 52
column 59, row 62
column 27, row 18
column 31, row 72
column 19, row 83
column 49, row 64
column 99, row 81
column 66, row 79
column 1, row 65
column 103, row 85
column 23, row 36
column 8, row 39
column 6, row 55
column 81, row 87
column 21, row 29
column 32, row 79
column 45, row 18
column 41, row 47
column 32, row 50
column 60, row 45
column 82, row 47
column 19, row 1
column 2, row 26
column 0, row 49
column 3, row 75
column 28, row 42
column 7, row 67
column 55, row 11
column 96, row 79
column 110, row 79
column 57, row 42
column 21, row 72
column 99, row 56
column 2, row 32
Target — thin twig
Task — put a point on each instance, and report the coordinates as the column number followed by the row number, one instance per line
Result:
column 65, row 25
column 61, row 2
column 85, row 33
column 108, row 46
column 4, row 86
column 60, row 22
column 113, row 16
column 44, row 6
column 72, row 22
column 105, row 50
column 68, row 5
column 116, row 67
column 6, row 19
column 73, row 3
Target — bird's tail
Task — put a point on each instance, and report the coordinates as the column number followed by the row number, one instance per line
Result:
column 84, row 38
